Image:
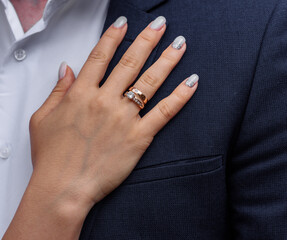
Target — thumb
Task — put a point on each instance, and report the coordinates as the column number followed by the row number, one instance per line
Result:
column 66, row 80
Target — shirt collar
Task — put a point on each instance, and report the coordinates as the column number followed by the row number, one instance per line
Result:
column 5, row 2
column 52, row 6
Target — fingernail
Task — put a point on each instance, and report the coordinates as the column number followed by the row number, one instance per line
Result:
column 120, row 22
column 62, row 70
column 192, row 80
column 178, row 42
column 158, row 23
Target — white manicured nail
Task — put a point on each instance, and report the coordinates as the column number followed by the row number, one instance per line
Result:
column 63, row 70
column 158, row 23
column 120, row 22
column 192, row 80
column 178, row 42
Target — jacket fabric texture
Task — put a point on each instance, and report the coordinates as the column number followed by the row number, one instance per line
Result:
column 218, row 170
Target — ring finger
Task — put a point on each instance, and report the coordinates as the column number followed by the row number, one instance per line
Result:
column 153, row 78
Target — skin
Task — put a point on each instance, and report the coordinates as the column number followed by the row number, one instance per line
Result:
column 85, row 142
column 29, row 11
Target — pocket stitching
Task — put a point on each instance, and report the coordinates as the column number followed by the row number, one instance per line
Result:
column 218, row 160
column 197, row 159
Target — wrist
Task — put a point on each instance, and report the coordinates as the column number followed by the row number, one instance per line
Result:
column 62, row 197
column 51, row 214
column 62, row 206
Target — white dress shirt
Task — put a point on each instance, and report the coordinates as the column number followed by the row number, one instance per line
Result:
column 29, row 64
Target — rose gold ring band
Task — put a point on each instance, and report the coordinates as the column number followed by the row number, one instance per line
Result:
column 136, row 96
column 139, row 93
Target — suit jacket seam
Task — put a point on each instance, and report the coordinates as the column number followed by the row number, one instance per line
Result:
column 236, row 135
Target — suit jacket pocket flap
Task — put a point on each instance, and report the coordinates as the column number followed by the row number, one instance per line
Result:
column 178, row 168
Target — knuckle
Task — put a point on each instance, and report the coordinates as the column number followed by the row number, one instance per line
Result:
column 100, row 102
column 34, row 121
column 180, row 96
column 69, row 97
column 119, row 118
column 110, row 36
column 147, row 37
column 149, row 79
column 98, row 57
column 58, row 90
column 129, row 61
column 165, row 110
column 168, row 59
column 75, row 93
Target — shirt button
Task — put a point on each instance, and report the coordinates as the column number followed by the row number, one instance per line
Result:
column 20, row 54
column 5, row 150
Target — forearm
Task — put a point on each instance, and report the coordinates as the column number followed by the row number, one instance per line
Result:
column 46, row 214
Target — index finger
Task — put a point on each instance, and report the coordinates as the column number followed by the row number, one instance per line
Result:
column 96, row 65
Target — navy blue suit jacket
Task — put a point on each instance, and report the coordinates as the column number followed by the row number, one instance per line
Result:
column 218, row 170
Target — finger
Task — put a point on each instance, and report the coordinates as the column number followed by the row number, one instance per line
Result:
column 167, row 108
column 96, row 65
column 66, row 79
column 135, row 57
column 153, row 78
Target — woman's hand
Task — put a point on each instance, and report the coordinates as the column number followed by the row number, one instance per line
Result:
column 87, row 139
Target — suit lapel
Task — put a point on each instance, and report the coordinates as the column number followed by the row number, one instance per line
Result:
column 135, row 10
column 138, row 19
column 146, row 5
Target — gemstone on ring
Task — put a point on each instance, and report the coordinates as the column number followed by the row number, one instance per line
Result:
column 137, row 91
column 130, row 95
column 138, row 102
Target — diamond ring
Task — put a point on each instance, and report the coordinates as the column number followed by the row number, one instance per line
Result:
column 139, row 93
column 136, row 96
